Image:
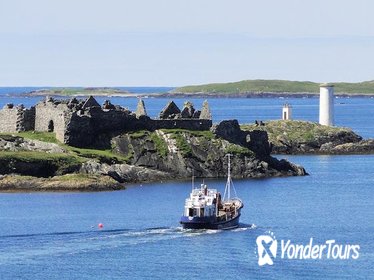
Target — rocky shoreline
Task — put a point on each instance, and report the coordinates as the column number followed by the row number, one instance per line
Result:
column 66, row 183
column 302, row 137
column 38, row 162
column 141, row 156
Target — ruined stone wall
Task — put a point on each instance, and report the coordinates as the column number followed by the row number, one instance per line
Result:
column 79, row 130
column 113, row 120
column 95, row 127
column 8, row 120
column 17, row 119
column 47, row 113
column 85, row 124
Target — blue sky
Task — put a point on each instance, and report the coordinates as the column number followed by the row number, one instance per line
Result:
column 178, row 42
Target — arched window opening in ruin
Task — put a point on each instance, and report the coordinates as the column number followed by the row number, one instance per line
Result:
column 51, row 126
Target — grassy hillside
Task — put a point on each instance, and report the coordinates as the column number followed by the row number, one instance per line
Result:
column 276, row 86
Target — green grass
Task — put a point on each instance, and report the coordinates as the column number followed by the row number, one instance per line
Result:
column 206, row 134
column 78, row 177
column 238, row 150
column 276, row 86
column 197, row 133
column 61, row 161
column 28, row 156
column 161, row 146
column 41, row 136
column 107, row 156
column 103, row 156
column 67, row 182
column 182, row 145
column 179, row 136
column 138, row 134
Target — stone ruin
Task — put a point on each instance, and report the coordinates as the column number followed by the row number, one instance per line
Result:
column 84, row 123
column 140, row 109
column 171, row 111
column 16, row 118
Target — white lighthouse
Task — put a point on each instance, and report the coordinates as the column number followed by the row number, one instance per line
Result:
column 286, row 112
column 326, row 104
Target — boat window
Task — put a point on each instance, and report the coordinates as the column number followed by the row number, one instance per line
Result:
column 202, row 212
column 195, row 212
column 190, row 212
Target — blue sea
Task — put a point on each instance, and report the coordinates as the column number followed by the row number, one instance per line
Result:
column 56, row 235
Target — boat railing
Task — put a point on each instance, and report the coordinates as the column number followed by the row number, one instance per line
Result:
column 232, row 200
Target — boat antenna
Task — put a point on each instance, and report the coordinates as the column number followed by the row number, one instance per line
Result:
column 193, row 180
column 229, row 183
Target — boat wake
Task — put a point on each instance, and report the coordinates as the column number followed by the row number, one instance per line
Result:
column 114, row 232
column 71, row 243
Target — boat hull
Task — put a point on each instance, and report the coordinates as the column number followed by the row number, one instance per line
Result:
column 209, row 223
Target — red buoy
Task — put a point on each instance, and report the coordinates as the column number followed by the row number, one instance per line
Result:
column 100, row 225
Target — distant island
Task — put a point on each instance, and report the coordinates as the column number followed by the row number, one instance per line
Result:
column 247, row 88
column 270, row 88
column 82, row 91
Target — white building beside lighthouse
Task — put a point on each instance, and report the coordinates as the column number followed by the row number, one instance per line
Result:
column 326, row 104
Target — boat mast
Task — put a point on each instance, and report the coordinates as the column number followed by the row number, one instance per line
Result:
column 228, row 176
column 229, row 183
column 193, row 180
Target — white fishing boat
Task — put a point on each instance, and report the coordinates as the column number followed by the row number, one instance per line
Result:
column 206, row 209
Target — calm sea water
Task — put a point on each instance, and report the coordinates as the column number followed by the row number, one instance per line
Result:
column 55, row 235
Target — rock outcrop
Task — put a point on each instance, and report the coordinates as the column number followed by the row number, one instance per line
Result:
column 16, row 144
column 74, row 182
column 142, row 155
column 124, row 173
column 300, row 137
column 360, row 147
column 255, row 140
column 203, row 153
